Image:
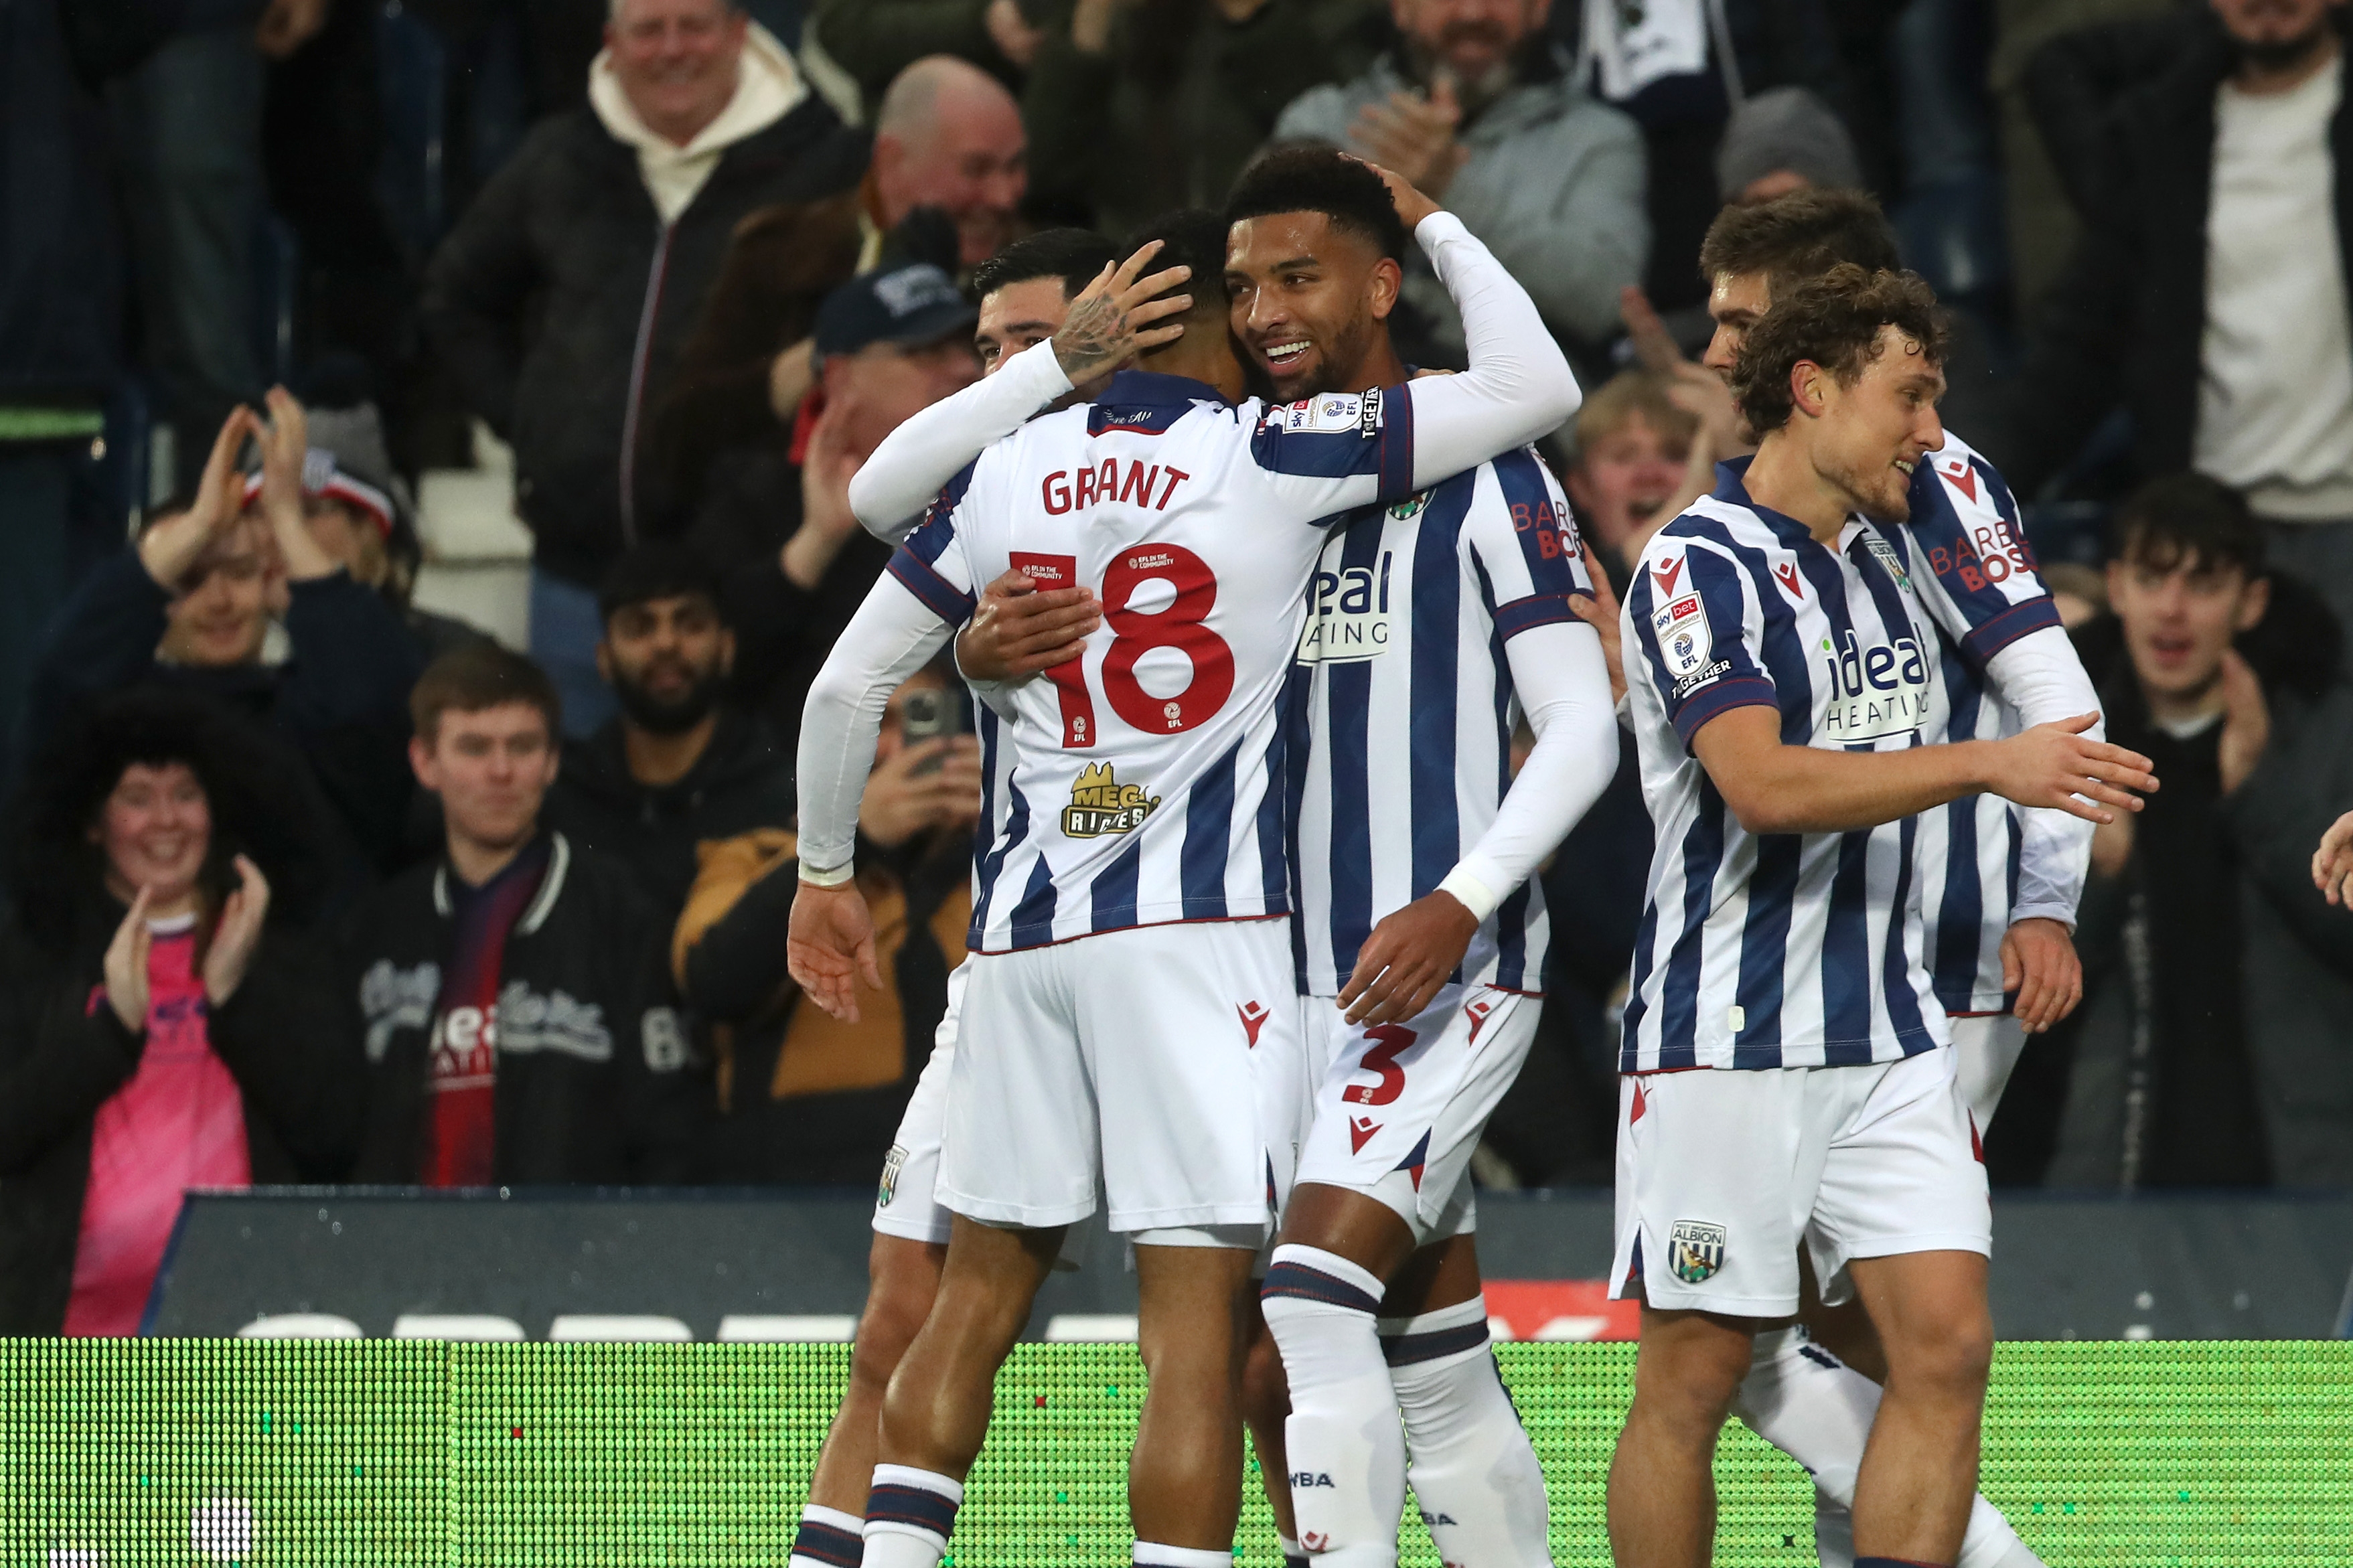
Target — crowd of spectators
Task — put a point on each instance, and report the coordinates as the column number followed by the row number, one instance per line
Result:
column 308, row 882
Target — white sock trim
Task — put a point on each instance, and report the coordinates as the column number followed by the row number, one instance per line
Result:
column 928, row 1481
column 1474, row 1310
column 818, row 1513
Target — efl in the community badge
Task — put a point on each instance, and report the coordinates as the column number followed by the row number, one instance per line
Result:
column 1695, row 1250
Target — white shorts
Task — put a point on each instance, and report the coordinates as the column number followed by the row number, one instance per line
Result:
column 907, row 1205
column 1397, row 1109
column 1986, row 1046
column 1722, row 1172
column 1128, row 1060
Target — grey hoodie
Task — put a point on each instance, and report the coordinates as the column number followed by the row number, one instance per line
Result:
column 1554, row 187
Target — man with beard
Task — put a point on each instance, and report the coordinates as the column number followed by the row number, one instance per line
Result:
column 1480, row 110
column 1420, row 955
column 677, row 767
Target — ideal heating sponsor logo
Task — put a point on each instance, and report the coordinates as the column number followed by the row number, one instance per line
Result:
column 1349, row 621
column 1875, row 692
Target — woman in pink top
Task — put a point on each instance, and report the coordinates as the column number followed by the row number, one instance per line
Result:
column 160, row 1027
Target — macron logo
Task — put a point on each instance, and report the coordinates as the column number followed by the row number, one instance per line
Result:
column 1787, row 571
column 1964, row 477
column 1360, row 1131
column 1668, row 572
column 1253, row 1015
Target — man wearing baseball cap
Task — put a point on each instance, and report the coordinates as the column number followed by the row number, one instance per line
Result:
column 887, row 343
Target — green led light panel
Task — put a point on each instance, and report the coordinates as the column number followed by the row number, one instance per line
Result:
column 372, row 1454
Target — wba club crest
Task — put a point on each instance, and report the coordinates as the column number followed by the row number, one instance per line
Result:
column 1695, row 1250
column 892, row 1164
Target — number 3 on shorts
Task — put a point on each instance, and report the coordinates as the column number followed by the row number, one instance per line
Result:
column 1134, row 633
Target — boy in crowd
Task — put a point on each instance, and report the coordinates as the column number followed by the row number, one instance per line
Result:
column 516, row 1016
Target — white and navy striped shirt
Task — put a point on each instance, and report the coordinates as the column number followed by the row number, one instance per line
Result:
column 1964, row 528
column 1147, row 780
column 1783, row 950
column 1404, row 709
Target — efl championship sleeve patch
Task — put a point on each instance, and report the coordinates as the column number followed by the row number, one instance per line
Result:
column 1329, row 414
column 1680, row 626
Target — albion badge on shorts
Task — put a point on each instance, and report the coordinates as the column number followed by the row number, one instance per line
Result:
column 1695, row 1250
column 893, row 1163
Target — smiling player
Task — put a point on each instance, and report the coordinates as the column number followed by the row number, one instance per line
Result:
column 1130, row 911
column 1783, row 1082
column 1432, row 625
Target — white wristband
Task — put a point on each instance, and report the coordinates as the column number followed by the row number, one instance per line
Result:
column 1470, row 892
column 829, row 878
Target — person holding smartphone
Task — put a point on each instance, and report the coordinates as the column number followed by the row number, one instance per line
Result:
column 803, row 1097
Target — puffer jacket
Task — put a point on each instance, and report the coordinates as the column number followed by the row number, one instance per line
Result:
column 561, row 302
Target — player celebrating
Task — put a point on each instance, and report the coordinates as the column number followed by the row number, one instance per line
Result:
column 1782, row 677
column 1431, row 624
column 1025, row 291
column 1998, row 885
column 1143, row 819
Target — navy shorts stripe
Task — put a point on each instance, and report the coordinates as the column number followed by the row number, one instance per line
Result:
column 1406, row 1350
column 1310, row 1285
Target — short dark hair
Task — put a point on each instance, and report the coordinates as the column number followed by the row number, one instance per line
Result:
column 1189, row 236
column 480, row 676
column 657, row 569
column 2187, row 519
column 1799, row 236
column 1311, row 177
column 1076, row 255
column 1834, row 322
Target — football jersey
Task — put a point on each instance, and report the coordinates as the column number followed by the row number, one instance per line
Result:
column 1781, row 950
column 1964, row 528
column 1403, row 709
column 1146, row 778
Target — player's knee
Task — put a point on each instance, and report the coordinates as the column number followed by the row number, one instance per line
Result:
column 1951, row 1357
column 1685, row 1384
column 885, row 1330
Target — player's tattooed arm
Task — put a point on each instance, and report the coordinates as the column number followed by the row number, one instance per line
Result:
column 1110, row 321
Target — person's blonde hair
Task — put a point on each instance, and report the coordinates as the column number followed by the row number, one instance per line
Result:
column 1626, row 396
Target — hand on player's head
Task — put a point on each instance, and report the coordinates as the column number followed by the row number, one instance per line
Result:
column 1018, row 628
column 2056, row 766
column 1111, row 321
column 829, row 947
column 1411, row 205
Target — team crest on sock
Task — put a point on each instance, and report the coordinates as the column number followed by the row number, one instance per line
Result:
column 1695, row 1250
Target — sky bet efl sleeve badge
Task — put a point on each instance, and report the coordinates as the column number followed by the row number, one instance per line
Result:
column 1685, row 640
column 1695, row 1250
